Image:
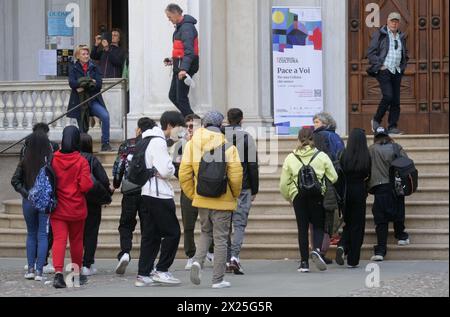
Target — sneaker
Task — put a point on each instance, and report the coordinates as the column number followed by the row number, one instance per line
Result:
column 375, row 125
column 340, row 256
column 30, row 275
column 83, row 279
column 189, row 264
column 210, row 258
column 89, row 271
column 49, row 269
column 318, row 260
column 123, row 263
column 196, row 273
column 395, row 131
column 236, row 267
column 106, row 148
column 403, row 243
column 165, row 278
column 38, row 277
column 58, row 281
column 377, row 258
column 223, row 284
column 144, row 281
column 229, row 269
column 304, row 267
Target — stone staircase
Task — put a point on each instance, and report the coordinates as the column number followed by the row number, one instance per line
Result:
column 272, row 230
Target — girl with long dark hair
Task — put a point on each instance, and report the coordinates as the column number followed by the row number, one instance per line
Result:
column 356, row 164
column 36, row 155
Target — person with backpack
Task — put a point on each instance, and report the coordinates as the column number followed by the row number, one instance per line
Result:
column 36, row 156
column 99, row 194
column 356, row 164
column 214, row 189
column 189, row 213
column 387, row 206
column 246, row 146
column 327, row 140
column 131, row 201
column 160, row 226
column 302, row 184
column 73, row 181
column 44, row 128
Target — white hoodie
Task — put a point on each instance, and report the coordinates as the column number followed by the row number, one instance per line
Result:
column 157, row 155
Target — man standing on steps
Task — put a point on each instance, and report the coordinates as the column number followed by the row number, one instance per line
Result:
column 185, row 57
column 388, row 57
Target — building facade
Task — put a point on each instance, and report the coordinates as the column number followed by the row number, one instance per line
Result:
column 236, row 60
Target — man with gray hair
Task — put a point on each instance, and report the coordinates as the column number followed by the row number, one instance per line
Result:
column 388, row 57
column 215, row 199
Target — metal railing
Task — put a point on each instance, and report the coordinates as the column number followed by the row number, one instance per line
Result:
column 75, row 108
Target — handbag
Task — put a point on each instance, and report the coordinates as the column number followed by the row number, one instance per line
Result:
column 129, row 188
column 98, row 195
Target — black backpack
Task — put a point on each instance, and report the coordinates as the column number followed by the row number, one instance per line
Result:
column 403, row 174
column 99, row 194
column 138, row 173
column 212, row 180
column 308, row 184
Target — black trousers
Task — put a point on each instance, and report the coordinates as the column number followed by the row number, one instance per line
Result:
column 91, row 229
column 131, row 207
column 190, row 215
column 390, row 87
column 309, row 211
column 387, row 207
column 50, row 243
column 355, row 222
column 179, row 95
column 160, row 230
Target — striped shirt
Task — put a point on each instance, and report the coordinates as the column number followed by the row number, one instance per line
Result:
column 394, row 56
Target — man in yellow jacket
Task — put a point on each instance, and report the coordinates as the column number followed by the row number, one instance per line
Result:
column 215, row 213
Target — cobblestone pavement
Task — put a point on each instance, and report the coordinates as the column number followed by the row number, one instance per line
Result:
column 398, row 279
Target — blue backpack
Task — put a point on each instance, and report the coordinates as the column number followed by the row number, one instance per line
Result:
column 42, row 195
column 336, row 145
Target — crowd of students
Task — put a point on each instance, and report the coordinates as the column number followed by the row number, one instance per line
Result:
column 218, row 171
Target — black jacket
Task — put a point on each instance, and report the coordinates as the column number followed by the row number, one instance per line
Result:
column 97, row 170
column 111, row 62
column 18, row 181
column 248, row 154
column 379, row 49
column 185, row 47
column 76, row 72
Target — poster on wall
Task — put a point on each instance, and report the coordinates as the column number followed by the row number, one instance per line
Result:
column 57, row 25
column 47, row 63
column 297, row 67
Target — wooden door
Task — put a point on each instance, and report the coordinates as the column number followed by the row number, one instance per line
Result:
column 100, row 16
column 424, row 91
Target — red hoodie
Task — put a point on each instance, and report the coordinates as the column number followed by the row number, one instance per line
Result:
column 73, row 181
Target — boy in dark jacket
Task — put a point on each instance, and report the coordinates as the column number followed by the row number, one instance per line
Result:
column 111, row 57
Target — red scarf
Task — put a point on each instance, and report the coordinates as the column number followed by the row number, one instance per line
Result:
column 85, row 68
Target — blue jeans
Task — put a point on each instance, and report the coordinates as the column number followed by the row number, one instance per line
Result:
column 97, row 110
column 37, row 235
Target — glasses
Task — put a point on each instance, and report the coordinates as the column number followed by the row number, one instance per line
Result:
column 396, row 44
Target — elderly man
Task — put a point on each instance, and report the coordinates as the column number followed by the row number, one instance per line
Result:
column 388, row 56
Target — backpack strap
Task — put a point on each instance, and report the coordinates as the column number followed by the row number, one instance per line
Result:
column 313, row 158
column 397, row 150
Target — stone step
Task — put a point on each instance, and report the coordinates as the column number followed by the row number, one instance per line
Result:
column 415, row 252
column 255, row 236
column 272, row 208
column 9, row 221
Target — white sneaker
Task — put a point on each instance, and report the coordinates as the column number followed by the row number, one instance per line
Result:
column 123, row 263
column 377, row 258
column 25, row 268
column 30, row 275
column 49, row 269
column 196, row 273
column 223, row 284
column 165, row 278
column 88, row 272
column 318, row 261
column 210, row 258
column 403, row 243
column 144, row 281
column 189, row 264
column 38, row 277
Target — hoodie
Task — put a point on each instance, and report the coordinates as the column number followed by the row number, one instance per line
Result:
column 185, row 52
column 73, row 181
column 157, row 156
column 205, row 140
column 322, row 165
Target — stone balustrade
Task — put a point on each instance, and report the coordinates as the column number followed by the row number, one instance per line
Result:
column 23, row 104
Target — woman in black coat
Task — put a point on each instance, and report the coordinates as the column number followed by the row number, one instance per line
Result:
column 85, row 79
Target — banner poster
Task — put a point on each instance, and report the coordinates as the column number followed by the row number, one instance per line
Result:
column 297, row 67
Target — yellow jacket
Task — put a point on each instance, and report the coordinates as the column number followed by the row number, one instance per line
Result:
column 205, row 140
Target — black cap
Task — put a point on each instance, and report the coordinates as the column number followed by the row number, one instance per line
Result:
column 381, row 132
